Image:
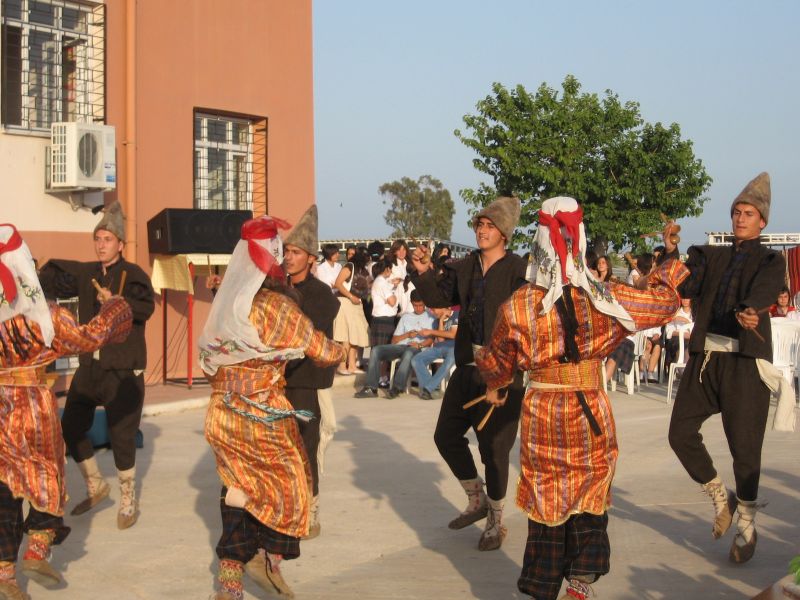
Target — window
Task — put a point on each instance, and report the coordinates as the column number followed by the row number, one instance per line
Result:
column 52, row 63
column 229, row 162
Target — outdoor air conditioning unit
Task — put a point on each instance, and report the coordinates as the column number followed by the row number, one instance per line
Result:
column 82, row 156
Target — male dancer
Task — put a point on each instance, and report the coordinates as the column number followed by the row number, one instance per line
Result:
column 479, row 283
column 558, row 328
column 731, row 340
column 32, row 335
column 112, row 377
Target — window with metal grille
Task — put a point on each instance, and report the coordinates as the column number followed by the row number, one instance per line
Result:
column 53, row 55
column 229, row 162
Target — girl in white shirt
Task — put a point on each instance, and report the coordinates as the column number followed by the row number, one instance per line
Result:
column 328, row 270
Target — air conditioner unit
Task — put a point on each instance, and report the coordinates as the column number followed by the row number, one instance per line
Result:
column 82, row 156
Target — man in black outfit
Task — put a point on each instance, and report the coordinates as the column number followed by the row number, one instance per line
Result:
column 730, row 287
column 112, row 377
column 479, row 283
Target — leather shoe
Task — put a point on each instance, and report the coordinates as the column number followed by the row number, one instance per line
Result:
column 9, row 590
column 741, row 554
column 87, row 504
column 492, row 542
column 393, row 393
column 42, row 572
column 125, row 521
column 425, row 395
column 270, row 580
column 366, row 392
column 468, row 518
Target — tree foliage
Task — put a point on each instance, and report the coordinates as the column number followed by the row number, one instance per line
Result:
column 418, row 209
column 624, row 172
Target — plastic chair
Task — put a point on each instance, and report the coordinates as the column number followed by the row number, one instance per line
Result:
column 680, row 363
column 785, row 347
column 632, row 379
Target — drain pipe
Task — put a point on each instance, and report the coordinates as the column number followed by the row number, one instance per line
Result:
column 132, row 245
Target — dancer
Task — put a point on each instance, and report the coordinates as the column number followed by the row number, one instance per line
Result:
column 33, row 334
column 304, row 379
column 557, row 329
column 114, row 376
column 252, row 331
column 731, row 344
column 479, row 283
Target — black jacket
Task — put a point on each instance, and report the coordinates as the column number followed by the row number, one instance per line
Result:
column 320, row 305
column 453, row 288
column 69, row 278
column 761, row 279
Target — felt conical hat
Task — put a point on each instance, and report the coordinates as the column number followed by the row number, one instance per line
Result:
column 756, row 193
column 304, row 234
column 113, row 220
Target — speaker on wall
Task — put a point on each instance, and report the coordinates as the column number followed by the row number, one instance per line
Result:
column 198, row 231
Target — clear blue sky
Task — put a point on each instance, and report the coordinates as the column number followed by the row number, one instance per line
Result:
column 392, row 80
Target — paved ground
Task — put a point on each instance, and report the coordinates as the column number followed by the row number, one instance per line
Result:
column 386, row 499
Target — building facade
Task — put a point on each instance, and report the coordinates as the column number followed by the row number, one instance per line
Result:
column 211, row 103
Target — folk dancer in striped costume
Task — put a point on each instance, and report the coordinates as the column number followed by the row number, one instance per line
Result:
column 557, row 328
column 33, row 334
column 253, row 329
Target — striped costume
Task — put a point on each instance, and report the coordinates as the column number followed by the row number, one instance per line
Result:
column 31, row 445
column 266, row 461
column 566, row 468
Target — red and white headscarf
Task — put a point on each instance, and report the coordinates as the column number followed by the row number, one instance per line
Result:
column 558, row 258
column 20, row 290
column 228, row 336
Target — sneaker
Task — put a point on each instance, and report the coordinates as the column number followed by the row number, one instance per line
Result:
column 384, row 385
column 366, row 392
column 393, row 393
column 425, row 395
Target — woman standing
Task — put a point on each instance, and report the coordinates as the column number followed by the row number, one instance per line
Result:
column 350, row 326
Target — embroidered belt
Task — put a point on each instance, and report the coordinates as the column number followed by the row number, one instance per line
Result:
column 26, row 377
column 571, row 377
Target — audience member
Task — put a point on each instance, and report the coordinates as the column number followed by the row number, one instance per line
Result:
column 444, row 342
column 384, row 309
column 680, row 326
column 328, row 269
column 648, row 363
column 603, row 268
column 406, row 341
column 350, row 326
column 398, row 253
column 781, row 308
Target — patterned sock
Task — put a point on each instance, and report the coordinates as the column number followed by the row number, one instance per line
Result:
column 39, row 542
column 230, row 577
column 8, row 572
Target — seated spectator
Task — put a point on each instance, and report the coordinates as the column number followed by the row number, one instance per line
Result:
column 350, row 324
column 621, row 358
column 603, row 268
column 644, row 264
column 681, row 325
column 405, row 343
column 444, row 338
column 781, row 308
column 648, row 364
column 328, row 270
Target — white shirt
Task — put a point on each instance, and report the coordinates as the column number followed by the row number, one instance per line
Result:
column 404, row 299
column 672, row 326
column 399, row 271
column 382, row 290
column 327, row 273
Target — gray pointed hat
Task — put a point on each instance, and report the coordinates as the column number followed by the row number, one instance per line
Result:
column 113, row 220
column 304, row 234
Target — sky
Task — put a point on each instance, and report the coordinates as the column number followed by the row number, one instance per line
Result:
column 393, row 80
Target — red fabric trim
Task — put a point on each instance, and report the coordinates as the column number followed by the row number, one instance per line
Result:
column 570, row 220
column 6, row 276
column 793, row 266
column 263, row 228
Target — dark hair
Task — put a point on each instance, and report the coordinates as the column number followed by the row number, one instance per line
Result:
column 329, row 251
column 396, row 245
column 784, row 290
column 591, row 258
column 440, row 250
column 659, row 249
column 610, row 267
column 360, row 258
column 644, row 263
column 415, row 296
column 376, row 249
column 379, row 266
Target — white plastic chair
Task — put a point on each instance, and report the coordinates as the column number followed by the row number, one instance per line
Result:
column 632, row 379
column 680, row 363
column 785, row 347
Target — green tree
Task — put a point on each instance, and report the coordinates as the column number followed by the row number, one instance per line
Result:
column 623, row 171
column 418, row 209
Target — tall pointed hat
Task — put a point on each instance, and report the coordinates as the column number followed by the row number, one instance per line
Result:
column 756, row 193
column 113, row 220
column 304, row 234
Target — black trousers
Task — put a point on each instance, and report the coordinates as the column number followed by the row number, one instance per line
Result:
column 494, row 441
column 121, row 393
column 243, row 534
column 307, row 399
column 12, row 526
column 578, row 547
column 731, row 386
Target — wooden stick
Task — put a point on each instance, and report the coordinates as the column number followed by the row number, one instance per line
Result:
column 122, row 282
column 473, row 402
column 96, row 285
column 485, row 418
column 758, row 335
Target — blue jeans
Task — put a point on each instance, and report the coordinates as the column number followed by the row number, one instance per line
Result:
column 444, row 350
column 378, row 354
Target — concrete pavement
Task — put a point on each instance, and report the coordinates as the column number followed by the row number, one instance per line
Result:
column 386, row 500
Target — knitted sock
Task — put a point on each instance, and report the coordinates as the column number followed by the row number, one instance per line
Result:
column 476, row 498
column 127, row 487
column 91, row 474
column 39, row 542
column 230, row 577
column 8, row 572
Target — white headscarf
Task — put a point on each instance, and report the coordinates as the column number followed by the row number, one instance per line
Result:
column 229, row 337
column 558, row 258
column 20, row 290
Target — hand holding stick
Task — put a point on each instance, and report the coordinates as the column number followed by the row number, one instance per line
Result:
column 102, row 293
column 485, row 418
column 474, row 401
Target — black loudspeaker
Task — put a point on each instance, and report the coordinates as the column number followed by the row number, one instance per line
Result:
column 195, row 231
